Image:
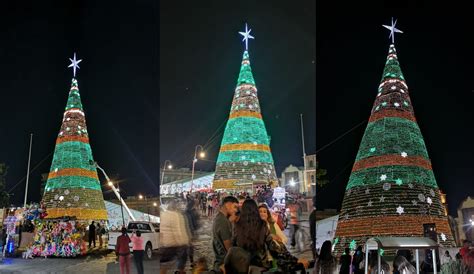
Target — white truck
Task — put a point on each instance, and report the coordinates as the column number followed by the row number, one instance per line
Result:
column 150, row 234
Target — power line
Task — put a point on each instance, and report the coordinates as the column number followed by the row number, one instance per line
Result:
column 33, row 169
column 340, row 136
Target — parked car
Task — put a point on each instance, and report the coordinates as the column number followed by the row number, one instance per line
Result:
column 150, row 233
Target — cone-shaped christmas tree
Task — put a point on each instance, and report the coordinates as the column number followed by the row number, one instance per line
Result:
column 73, row 188
column 245, row 159
column 392, row 190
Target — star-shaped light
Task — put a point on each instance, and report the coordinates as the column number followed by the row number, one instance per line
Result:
column 429, row 201
column 393, row 30
column 400, row 210
column 367, row 191
column 382, row 199
column 246, row 36
column 74, row 64
column 443, row 237
column 369, row 203
column 383, row 177
column 404, row 154
column 414, row 202
column 410, row 185
column 399, row 181
column 346, row 216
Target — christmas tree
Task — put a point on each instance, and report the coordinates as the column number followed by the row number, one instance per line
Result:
column 245, row 159
column 392, row 190
column 73, row 188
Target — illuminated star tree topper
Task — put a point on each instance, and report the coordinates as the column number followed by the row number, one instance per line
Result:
column 246, row 36
column 74, row 64
column 393, row 30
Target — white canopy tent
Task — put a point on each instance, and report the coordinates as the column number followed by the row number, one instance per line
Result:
column 400, row 243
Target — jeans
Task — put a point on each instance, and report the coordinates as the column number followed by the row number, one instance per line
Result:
column 293, row 234
column 138, row 258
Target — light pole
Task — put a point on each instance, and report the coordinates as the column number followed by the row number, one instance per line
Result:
column 116, row 190
column 147, row 208
column 163, row 175
column 201, row 155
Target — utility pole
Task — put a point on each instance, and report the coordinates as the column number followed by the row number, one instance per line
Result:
column 28, row 171
column 304, row 154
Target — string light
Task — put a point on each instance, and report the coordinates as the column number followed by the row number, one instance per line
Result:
column 245, row 156
column 73, row 188
column 392, row 174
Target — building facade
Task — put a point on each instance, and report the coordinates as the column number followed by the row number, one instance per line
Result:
column 172, row 175
column 292, row 179
column 310, row 174
column 465, row 220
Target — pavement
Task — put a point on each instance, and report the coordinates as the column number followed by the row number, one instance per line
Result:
column 203, row 246
column 98, row 261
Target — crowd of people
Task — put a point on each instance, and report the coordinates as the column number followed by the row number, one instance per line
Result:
column 403, row 262
column 246, row 234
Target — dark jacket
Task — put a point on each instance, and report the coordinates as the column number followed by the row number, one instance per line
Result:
column 91, row 230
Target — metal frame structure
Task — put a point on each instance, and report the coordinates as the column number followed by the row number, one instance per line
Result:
column 388, row 243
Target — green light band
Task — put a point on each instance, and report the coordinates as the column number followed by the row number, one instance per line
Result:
column 245, row 75
column 392, row 135
column 404, row 174
column 72, row 155
column 243, row 130
column 74, row 99
column 392, row 70
column 72, row 182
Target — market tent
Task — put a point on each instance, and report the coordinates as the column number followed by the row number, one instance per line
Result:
column 387, row 243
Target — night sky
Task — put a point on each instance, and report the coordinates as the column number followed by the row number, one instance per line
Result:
column 435, row 56
column 118, row 83
column 200, row 57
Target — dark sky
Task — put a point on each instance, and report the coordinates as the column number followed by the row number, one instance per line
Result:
column 200, row 56
column 118, row 82
column 435, row 57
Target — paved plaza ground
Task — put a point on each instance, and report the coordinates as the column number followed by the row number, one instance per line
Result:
column 98, row 262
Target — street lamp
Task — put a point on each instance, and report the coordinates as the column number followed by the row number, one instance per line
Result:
column 147, row 209
column 201, row 155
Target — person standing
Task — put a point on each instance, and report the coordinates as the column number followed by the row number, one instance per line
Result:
column 215, row 205
column 222, row 231
column 312, row 228
column 209, row 207
column 294, row 221
column 325, row 263
column 138, row 251
column 100, row 232
column 123, row 251
column 345, row 261
column 92, row 234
